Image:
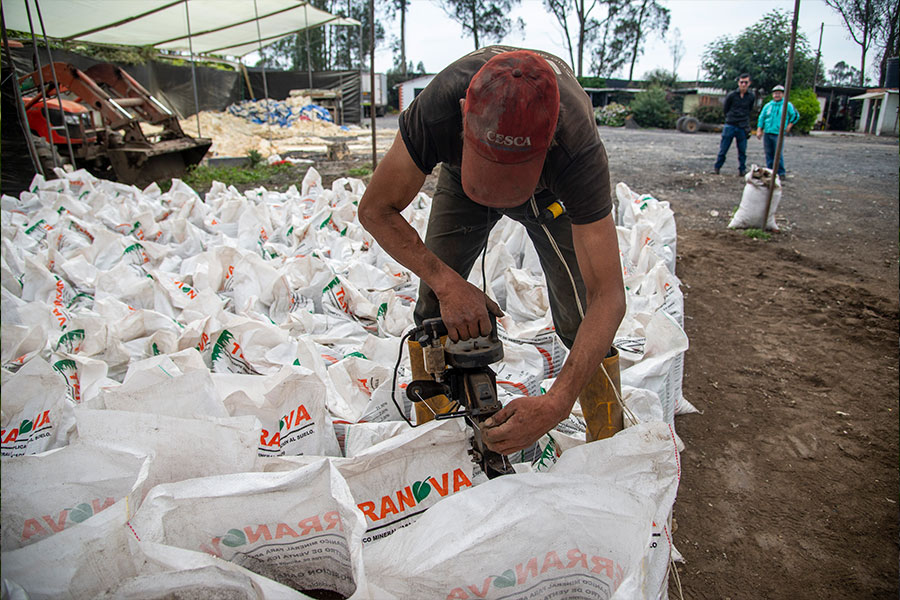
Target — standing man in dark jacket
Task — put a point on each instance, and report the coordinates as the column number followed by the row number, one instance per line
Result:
column 738, row 105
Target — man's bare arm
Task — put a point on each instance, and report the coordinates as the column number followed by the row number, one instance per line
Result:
column 394, row 185
column 524, row 420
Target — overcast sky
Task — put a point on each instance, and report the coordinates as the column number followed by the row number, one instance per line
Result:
column 436, row 40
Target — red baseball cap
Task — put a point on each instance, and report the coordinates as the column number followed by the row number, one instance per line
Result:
column 509, row 118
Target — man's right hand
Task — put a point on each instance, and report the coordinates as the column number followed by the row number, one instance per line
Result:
column 464, row 310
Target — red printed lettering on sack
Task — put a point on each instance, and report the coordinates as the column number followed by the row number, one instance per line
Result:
column 250, row 534
column 183, row 287
column 35, row 527
column 412, row 496
column 535, row 566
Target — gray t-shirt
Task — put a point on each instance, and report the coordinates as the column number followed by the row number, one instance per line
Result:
column 576, row 170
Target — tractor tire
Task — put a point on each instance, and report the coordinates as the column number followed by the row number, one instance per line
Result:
column 680, row 122
column 690, row 125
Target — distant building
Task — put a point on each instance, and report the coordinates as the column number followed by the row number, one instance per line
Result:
column 879, row 114
column 837, row 112
column 409, row 89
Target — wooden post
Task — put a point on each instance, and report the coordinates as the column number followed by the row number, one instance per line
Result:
column 787, row 93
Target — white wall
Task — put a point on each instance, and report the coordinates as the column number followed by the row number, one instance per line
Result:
column 408, row 89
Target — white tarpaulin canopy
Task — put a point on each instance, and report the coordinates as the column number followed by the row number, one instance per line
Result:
column 220, row 27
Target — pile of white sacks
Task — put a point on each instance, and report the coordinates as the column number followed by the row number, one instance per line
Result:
column 197, row 400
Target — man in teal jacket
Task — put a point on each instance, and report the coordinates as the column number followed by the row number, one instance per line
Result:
column 769, row 123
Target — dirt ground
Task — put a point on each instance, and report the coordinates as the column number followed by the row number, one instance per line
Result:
column 790, row 476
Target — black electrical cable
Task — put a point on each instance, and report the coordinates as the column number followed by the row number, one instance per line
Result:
column 394, row 381
column 487, row 234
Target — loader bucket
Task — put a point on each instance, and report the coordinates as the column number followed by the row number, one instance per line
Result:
column 141, row 165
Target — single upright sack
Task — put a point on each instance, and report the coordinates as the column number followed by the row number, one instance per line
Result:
column 300, row 528
column 751, row 212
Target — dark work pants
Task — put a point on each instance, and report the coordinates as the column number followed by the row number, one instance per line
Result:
column 770, row 141
column 457, row 232
column 739, row 135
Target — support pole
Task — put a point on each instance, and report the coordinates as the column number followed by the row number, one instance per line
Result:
column 187, row 15
column 372, row 81
column 787, row 94
column 20, row 108
column 40, row 71
column 62, row 113
column 308, row 55
column 263, row 56
column 818, row 55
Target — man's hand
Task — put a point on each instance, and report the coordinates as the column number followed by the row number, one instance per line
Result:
column 522, row 422
column 464, row 310
column 759, row 133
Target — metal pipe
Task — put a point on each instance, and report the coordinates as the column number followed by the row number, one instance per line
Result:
column 308, row 55
column 40, row 71
column 263, row 56
column 372, row 81
column 818, row 55
column 787, row 94
column 187, row 16
column 37, row 8
column 20, row 108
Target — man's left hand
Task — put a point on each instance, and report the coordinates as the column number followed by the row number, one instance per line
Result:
column 522, row 422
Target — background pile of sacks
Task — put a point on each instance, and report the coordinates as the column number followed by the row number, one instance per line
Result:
column 281, row 113
column 197, row 399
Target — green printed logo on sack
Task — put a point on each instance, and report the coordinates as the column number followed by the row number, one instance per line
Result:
column 228, row 357
column 185, row 289
column 69, row 369
column 136, row 255
column 549, row 574
column 548, row 457
column 47, row 524
column 39, row 230
column 292, row 427
column 330, row 221
column 398, row 505
column 338, row 294
column 70, row 341
column 14, row 441
column 80, row 300
column 253, row 535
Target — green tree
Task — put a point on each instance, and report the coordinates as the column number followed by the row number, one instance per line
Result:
column 483, row 19
column 588, row 26
column 609, row 53
column 864, row 19
column 639, row 19
column 652, row 109
column 394, row 8
column 660, row 77
column 761, row 50
column 843, row 74
column 329, row 47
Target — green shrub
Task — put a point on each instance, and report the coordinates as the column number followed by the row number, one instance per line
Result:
column 255, row 157
column 710, row 114
column 807, row 105
column 612, row 115
column 651, row 109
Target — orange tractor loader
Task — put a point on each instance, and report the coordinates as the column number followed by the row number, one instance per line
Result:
column 104, row 124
